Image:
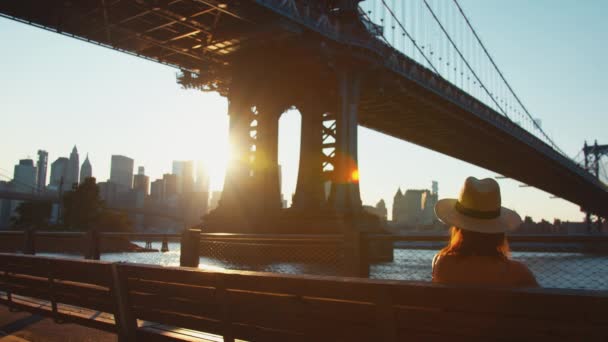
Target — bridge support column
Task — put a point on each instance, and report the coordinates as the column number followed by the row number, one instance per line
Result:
column 236, row 183
column 267, row 189
column 251, row 185
column 310, row 192
column 345, row 196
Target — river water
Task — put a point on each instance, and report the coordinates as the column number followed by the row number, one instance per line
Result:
column 554, row 270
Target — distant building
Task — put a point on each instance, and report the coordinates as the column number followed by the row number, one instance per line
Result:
column 184, row 170
column 108, row 191
column 86, row 171
column 141, row 182
column 24, row 176
column 121, row 172
column 157, row 191
column 381, row 209
column 202, row 178
column 41, row 165
column 59, row 169
column 5, row 205
column 398, row 206
column 170, row 185
column 415, row 207
column 72, row 173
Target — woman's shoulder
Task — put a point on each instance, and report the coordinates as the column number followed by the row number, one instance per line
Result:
column 522, row 274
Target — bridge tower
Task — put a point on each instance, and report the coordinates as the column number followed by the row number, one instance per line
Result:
column 324, row 84
column 593, row 154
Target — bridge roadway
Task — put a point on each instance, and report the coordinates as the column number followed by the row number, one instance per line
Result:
column 398, row 97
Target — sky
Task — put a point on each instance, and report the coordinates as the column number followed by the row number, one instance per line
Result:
column 57, row 92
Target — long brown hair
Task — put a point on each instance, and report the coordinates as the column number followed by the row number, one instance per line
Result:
column 467, row 243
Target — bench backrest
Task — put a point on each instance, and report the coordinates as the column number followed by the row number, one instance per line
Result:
column 265, row 306
column 81, row 283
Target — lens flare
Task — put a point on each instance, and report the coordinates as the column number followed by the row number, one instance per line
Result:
column 354, row 176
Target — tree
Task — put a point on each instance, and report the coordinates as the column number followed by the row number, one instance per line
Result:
column 32, row 214
column 82, row 206
column 113, row 221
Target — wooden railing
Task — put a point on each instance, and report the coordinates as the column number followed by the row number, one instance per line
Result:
column 140, row 302
column 89, row 243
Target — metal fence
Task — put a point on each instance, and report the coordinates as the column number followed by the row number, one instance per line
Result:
column 574, row 262
column 557, row 261
column 281, row 253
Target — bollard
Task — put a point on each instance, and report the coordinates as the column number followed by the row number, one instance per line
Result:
column 29, row 245
column 190, row 246
column 92, row 251
column 356, row 254
column 165, row 246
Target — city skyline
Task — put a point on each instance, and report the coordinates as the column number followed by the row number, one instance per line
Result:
column 190, row 125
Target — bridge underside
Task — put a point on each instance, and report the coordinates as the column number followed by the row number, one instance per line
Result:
column 214, row 43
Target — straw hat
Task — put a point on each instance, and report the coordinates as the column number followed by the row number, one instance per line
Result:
column 478, row 208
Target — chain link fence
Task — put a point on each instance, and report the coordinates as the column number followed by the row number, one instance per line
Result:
column 296, row 254
column 580, row 263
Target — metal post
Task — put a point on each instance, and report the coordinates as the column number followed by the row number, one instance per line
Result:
column 190, row 248
column 356, row 252
column 92, row 251
column 165, row 245
column 29, row 245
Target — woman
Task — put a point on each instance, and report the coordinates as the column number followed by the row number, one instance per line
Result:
column 478, row 252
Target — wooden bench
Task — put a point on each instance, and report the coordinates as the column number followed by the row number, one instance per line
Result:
column 151, row 302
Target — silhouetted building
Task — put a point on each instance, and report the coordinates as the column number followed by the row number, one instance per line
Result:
column 121, row 172
column 202, row 178
column 108, row 191
column 157, row 190
column 381, row 209
column 184, row 170
column 415, row 207
column 72, row 173
column 59, row 169
column 43, row 159
column 5, row 205
column 86, row 171
column 398, row 206
column 170, row 185
column 24, row 176
column 141, row 182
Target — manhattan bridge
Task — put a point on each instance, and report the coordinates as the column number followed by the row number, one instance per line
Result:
column 415, row 70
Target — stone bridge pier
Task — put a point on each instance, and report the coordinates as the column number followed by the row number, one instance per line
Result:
column 327, row 197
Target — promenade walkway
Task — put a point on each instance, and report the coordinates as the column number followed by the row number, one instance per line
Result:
column 23, row 326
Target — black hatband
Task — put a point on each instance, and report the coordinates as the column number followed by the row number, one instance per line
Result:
column 485, row 215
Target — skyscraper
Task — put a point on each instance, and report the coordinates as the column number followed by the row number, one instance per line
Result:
column 24, row 176
column 184, row 170
column 121, row 172
column 157, row 191
column 141, row 182
column 59, row 169
column 86, row 170
column 202, row 178
column 43, row 159
column 73, row 169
